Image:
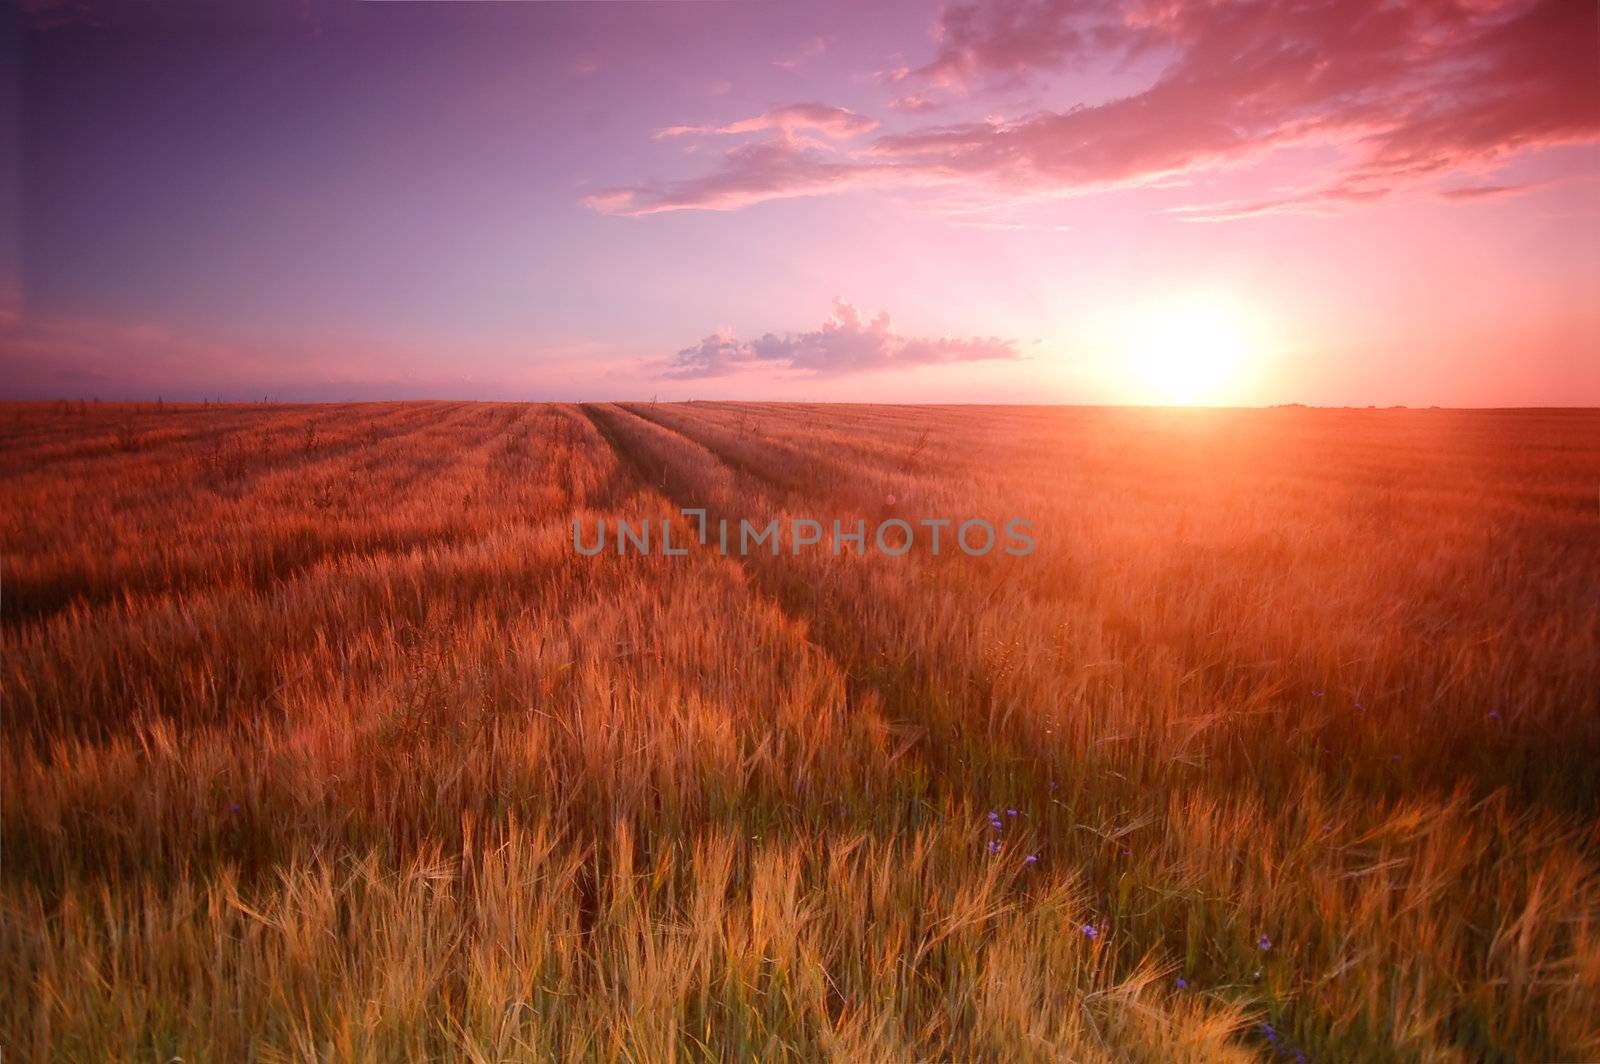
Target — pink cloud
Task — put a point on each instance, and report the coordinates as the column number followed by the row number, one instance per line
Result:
column 1353, row 190
column 915, row 103
column 1414, row 90
column 748, row 174
column 1409, row 93
column 1477, row 192
column 810, row 50
column 844, row 344
column 789, row 119
column 1005, row 41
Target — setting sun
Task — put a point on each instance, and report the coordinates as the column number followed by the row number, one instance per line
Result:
column 1194, row 350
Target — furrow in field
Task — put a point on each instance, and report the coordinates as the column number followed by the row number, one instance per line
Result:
column 255, row 515
column 939, row 694
column 471, row 489
column 1113, row 571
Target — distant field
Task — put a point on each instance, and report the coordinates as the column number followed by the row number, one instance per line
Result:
column 322, row 741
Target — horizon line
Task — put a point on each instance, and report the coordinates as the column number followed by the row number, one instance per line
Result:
column 268, row 401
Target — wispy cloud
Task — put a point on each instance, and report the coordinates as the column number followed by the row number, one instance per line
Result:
column 916, row 103
column 1409, row 94
column 1330, row 199
column 748, row 174
column 1478, row 192
column 813, row 48
column 846, row 343
column 789, row 119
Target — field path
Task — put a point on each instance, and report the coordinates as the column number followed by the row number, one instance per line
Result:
column 950, row 728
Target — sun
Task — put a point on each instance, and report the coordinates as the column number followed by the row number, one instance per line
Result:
column 1190, row 351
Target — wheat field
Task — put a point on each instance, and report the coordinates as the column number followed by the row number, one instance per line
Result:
column 323, row 742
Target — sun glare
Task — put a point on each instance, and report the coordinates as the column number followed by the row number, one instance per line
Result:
column 1191, row 351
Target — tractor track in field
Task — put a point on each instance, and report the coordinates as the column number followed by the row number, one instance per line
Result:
column 36, row 604
column 764, row 582
column 904, row 691
column 723, row 454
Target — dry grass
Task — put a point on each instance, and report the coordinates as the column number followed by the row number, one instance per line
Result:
column 322, row 743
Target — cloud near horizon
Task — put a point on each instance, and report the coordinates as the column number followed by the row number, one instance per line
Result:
column 789, row 119
column 844, row 344
column 1408, row 93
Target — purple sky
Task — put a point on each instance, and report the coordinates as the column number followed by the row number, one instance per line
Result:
column 1342, row 202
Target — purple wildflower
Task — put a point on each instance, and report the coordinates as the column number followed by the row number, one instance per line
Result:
column 1494, row 714
column 1183, row 984
column 1032, row 857
column 1264, row 942
column 1091, row 931
column 994, row 847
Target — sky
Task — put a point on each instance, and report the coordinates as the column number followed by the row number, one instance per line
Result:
column 1235, row 202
